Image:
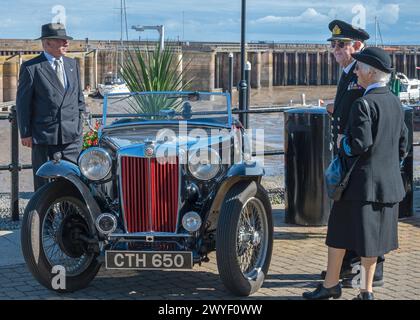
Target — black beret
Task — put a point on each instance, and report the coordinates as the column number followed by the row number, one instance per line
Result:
column 344, row 31
column 375, row 57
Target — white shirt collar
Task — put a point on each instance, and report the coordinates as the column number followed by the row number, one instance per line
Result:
column 51, row 58
column 374, row 85
column 347, row 69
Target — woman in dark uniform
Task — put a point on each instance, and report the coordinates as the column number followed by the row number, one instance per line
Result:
column 365, row 219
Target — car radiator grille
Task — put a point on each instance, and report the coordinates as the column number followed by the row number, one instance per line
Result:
column 149, row 191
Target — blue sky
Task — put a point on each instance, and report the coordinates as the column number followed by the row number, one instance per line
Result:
column 214, row 20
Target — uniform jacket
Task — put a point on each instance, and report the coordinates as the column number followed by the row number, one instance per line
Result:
column 381, row 140
column 45, row 110
column 347, row 92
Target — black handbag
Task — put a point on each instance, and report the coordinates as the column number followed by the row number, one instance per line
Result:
column 337, row 178
column 336, row 175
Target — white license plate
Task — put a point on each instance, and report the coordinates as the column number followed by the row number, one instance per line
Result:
column 148, row 260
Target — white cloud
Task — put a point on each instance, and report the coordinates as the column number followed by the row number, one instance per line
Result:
column 389, row 13
column 309, row 16
column 7, row 23
column 413, row 23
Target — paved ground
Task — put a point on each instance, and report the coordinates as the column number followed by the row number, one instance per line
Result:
column 299, row 255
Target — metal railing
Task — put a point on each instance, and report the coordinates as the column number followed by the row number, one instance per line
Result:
column 14, row 167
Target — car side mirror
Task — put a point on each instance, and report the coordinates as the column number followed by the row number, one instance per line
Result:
column 87, row 119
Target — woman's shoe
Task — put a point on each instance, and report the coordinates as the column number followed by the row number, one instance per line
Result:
column 365, row 296
column 321, row 293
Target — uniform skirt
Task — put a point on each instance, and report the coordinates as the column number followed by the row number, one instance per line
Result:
column 368, row 228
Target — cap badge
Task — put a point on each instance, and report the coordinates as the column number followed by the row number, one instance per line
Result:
column 336, row 31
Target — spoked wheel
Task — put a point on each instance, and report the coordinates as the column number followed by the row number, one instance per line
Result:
column 54, row 232
column 252, row 238
column 244, row 239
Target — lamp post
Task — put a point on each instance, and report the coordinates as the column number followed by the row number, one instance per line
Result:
column 242, row 84
column 160, row 29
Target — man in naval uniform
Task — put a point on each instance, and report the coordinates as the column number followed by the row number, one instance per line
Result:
column 346, row 40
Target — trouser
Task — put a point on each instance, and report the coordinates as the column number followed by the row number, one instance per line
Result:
column 350, row 258
column 41, row 153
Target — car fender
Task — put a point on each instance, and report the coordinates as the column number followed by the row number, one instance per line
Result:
column 246, row 170
column 66, row 170
column 236, row 173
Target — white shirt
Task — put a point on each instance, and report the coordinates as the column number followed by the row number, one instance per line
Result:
column 373, row 86
column 51, row 59
column 347, row 69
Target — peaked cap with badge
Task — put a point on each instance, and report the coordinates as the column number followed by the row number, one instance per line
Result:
column 346, row 32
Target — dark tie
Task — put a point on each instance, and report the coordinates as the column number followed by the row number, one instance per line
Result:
column 343, row 78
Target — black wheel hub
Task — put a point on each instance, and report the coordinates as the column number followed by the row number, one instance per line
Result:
column 68, row 236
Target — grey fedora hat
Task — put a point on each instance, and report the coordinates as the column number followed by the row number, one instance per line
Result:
column 54, row 31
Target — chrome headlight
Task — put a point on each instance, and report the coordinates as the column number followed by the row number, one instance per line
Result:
column 204, row 164
column 95, row 163
column 191, row 221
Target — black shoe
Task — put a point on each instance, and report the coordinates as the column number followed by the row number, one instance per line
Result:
column 322, row 293
column 347, row 282
column 365, row 296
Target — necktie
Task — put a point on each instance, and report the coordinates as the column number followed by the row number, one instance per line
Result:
column 342, row 77
column 59, row 71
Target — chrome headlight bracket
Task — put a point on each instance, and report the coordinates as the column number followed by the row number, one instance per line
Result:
column 95, row 163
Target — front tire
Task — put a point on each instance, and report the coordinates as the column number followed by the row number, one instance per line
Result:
column 52, row 218
column 244, row 239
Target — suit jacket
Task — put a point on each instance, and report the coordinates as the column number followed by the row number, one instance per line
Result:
column 381, row 140
column 347, row 92
column 45, row 110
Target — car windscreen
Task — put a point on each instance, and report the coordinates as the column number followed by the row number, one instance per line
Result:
column 211, row 108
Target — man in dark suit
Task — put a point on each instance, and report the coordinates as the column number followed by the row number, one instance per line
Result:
column 49, row 102
column 345, row 41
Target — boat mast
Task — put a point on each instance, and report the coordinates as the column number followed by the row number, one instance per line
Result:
column 120, row 49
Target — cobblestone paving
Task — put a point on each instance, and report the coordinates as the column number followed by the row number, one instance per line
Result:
column 299, row 255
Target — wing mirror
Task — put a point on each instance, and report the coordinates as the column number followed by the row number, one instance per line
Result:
column 87, row 119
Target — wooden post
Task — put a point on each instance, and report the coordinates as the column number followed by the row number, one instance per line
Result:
column 318, row 68
column 329, row 80
column 286, row 68
column 256, row 70
column 1, row 80
column 10, row 69
column 266, row 78
column 308, row 68
column 212, row 65
column 81, row 64
column 90, row 71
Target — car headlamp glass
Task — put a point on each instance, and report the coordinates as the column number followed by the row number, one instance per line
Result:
column 95, row 163
column 204, row 164
column 191, row 221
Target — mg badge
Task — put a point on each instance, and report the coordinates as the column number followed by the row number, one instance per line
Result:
column 149, row 151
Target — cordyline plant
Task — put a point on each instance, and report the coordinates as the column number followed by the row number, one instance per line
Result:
column 152, row 70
